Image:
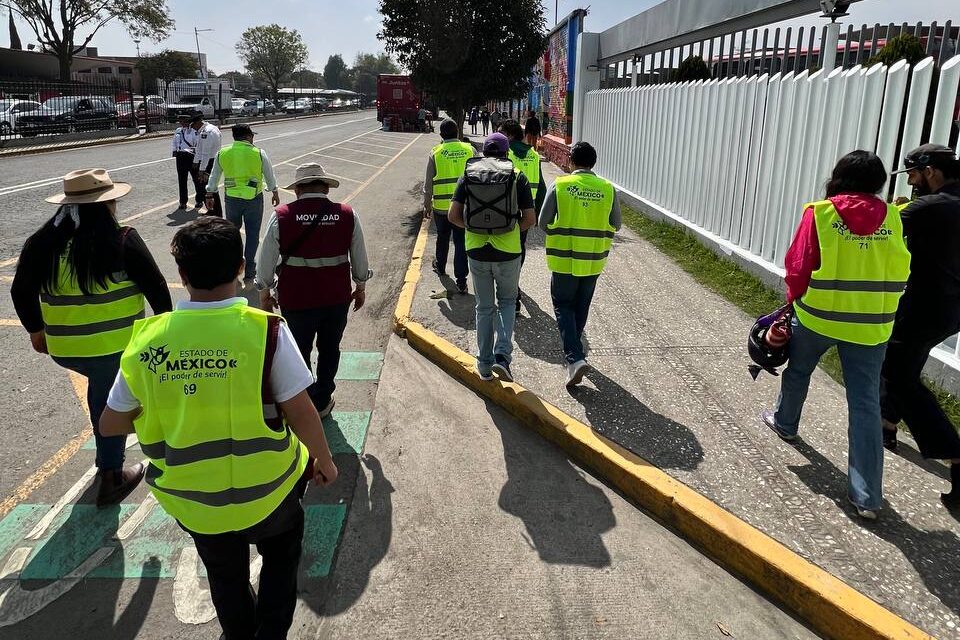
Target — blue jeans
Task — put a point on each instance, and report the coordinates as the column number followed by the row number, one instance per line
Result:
column 498, row 281
column 100, row 372
column 572, row 296
column 861, row 374
column 249, row 213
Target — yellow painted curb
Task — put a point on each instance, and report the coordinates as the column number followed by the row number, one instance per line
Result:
column 831, row 606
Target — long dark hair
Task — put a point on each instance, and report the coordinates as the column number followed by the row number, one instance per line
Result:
column 857, row 172
column 92, row 248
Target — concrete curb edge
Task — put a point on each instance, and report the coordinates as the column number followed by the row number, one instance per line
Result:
column 831, row 606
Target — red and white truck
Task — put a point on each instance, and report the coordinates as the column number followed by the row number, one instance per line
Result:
column 397, row 97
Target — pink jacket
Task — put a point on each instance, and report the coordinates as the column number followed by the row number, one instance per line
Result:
column 862, row 213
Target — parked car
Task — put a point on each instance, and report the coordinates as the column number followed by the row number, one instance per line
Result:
column 186, row 105
column 319, row 104
column 236, row 106
column 300, row 105
column 150, row 111
column 67, row 114
column 10, row 110
column 266, row 106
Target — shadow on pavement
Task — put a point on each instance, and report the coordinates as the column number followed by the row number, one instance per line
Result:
column 179, row 217
column 537, row 336
column 370, row 523
column 932, row 553
column 564, row 513
column 616, row 414
column 934, row 467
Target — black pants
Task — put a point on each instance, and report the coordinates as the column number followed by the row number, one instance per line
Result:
column 323, row 326
column 184, row 169
column 446, row 230
column 903, row 396
column 268, row 614
column 202, row 194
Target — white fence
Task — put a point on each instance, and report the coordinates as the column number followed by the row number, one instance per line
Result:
column 735, row 159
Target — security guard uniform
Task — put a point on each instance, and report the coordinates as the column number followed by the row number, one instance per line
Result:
column 207, row 147
column 183, row 148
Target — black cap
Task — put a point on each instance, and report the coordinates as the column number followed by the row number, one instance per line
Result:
column 242, row 130
column 196, row 116
column 448, row 129
column 927, row 155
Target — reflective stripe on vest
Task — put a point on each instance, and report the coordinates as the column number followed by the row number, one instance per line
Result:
column 579, row 239
column 85, row 326
column 242, row 168
column 854, row 294
column 450, row 159
column 215, row 464
column 297, row 261
column 530, row 166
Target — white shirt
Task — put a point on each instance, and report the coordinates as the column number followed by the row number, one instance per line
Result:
column 207, row 145
column 184, row 139
column 289, row 375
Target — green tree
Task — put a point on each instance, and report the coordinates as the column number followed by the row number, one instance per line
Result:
column 272, row 52
column 466, row 52
column 904, row 47
column 310, row 79
column 366, row 68
column 65, row 27
column 335, row 72
column 693, row 68
column 165, row 67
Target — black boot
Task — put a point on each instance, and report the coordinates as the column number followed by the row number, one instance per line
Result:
column 952, row 499
column 117, row 484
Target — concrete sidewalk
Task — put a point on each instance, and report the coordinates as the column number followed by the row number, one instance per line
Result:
column 670, row 384
column 466, row 524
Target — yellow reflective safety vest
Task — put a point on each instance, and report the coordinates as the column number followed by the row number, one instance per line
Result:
column 579, row 239
column 215, row 463
column 530, row 166
column 242, row 167
column 854, row 294
column 86, row 326
column 450, row 158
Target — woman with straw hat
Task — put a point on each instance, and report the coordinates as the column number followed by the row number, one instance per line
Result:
column 80, row 285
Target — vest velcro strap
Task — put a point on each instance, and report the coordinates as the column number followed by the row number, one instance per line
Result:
column 580, row 233
column 64, row 330
column 231, row 496
column 446, row 180
column 335, row 261
column 866, row 286
column 56, row 300
column 847, row 316
column 173, row 457
column 576, row 255
column 229, row 182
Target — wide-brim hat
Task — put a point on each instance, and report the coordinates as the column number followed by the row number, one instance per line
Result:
column 312, row 172
column 89, row 185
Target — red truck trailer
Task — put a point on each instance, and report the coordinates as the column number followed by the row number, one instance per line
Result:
column 397, row 98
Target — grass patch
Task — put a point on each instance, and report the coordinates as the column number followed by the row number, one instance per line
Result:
column 747, row 292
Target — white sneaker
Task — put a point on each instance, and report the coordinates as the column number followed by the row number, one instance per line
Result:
column 866, row 514
column 576, row 371
column 327, row 410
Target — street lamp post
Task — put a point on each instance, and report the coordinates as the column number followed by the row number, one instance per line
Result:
column 196, row 34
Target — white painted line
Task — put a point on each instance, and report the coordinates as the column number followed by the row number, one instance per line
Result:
column 15, row 563
column 370, row 180
column 290, row 161
column 41, row 527
column 165, row 205
column 375, row 146
column 369, row 153
column 191, row 602
column 364, row 164
column 137, row 517
column 333, row 175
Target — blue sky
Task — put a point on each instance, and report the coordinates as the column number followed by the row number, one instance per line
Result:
column 350, row 26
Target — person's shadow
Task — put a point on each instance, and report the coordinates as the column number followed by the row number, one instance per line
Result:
column 179, row 217
column 564, row 513
column 89, row 612
column 617, row 415
column 458, row 308
column 537, row 336
column 364, row 542
column 932, row 553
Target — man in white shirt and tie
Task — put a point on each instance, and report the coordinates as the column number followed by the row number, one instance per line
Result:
column 184, row 141
column 206, row 149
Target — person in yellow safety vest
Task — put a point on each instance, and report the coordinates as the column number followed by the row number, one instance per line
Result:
column 80, row 285
column 245, row 169
column 445, row 166
column 845, row 273
column 527, row 160
column 580, row 215
column 216, row 392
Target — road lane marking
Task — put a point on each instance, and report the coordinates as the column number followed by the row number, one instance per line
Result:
column 369, row 153
column 290, row 161
column 364, row 164
column 376, row 146
column 382, row 169
column 41, row 527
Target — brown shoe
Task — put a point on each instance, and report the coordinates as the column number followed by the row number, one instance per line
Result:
column 117, row 484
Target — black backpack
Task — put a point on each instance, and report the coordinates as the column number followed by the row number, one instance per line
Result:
column 491, row 187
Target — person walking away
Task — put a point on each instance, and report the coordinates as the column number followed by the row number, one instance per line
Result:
column 207, row 147
column 495, row 121
column 493, row 203
column 485, row 121
column 445, row 167
column 232, row 447
column 184, row 141
column 845, row 273
column 580, row 215
column 929, row 311
column 246, row 169
column 421, row 119
column 318, row 244
column 532, row 129
column 528, row 161
column 472, row 119
column 79, row 286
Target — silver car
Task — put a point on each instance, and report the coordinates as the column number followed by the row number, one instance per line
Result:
column 10, row 110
